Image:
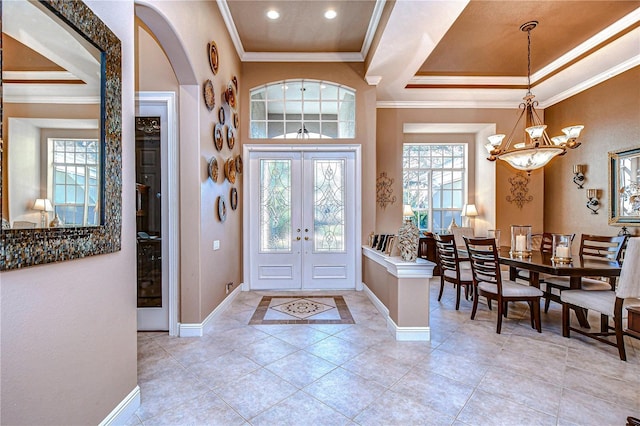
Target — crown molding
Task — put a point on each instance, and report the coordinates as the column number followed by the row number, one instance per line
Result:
column 373, row 27
column 449, row 103
column 466, row 80
column 231, row 27
column 302, row 57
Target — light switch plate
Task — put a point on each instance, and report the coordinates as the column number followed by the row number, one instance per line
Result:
column 216, row 245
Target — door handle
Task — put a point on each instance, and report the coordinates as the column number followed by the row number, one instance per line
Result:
column 298, row 230
column 306, row 238
column 297, row 238
column 306, row 230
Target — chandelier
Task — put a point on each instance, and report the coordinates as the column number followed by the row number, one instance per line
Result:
column 537, row 149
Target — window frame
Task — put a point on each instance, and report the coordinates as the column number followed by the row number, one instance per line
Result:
column 297, row 126
column 428, row 172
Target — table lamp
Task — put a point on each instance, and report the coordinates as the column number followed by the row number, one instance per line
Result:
column 44, row 205
column 469, row 211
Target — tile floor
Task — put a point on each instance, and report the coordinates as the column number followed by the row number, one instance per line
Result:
column 359, row 375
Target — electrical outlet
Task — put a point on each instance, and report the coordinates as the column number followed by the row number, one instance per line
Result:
column 229, row 287
column 216, row 245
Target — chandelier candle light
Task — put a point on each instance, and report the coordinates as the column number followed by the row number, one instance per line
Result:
column 537, row 149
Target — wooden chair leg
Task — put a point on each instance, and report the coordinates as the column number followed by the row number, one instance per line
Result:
column 500, row 308
column 505, row 311
column 547, row 302
column 536, row 314
column 617, row 319
column 489, row 304
column 604, row 323
column 441, row 287
column 566, row 317
column 475, row 303
column 531, row 314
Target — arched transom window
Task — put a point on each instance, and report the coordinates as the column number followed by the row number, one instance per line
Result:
column 303, row 109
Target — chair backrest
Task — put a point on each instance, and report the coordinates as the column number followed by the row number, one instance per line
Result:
column 629, row 281
column 602, row 246
column 23, row 224
column 447, row 254
column 483, row 256
column 460, row 232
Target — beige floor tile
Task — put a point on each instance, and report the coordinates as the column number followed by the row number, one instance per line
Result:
column 487, row 409
column 344, row 391
column 457, row 367
column 336, row 350
column 255, row 392
column 395, row 409
column 301, row 368
column 207, row 409
column 267, row 350
column 224, row 369
column 302, row 336
column 584, row 409
column 378, row 367
column 433, row 390
column 534, row 393
column 300, row 409
column 609, row 388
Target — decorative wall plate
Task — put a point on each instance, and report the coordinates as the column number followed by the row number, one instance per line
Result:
column 231, row 137
column 221, row 115
column 213, row 169
column 231, row 95
column 234, row 80
column 236, row 120
column 222, row 209
column 233, row 198
column 239, row 164
column 230, row 170
column 218, row 136
column 209, row 95
column 213, row 56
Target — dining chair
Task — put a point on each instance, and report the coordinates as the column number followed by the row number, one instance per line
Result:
column 488, row 282
column 608, row 303
column 593, row 247
column 453, row 269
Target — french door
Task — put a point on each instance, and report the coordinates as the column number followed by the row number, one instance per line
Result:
column 302, row 220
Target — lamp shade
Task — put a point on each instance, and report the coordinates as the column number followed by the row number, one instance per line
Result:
column 469, row 210
column 407, row 211
column 43, row 204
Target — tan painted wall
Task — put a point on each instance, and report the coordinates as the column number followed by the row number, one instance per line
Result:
column 68, row 340
column 610, row 113
column 349, row 74
column 204, row 273
column 491, row 179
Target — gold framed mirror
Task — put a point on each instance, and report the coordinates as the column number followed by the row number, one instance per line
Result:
column 624, row 187
column 60, row 151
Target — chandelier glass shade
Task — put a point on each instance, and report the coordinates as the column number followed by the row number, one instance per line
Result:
column 537, row 149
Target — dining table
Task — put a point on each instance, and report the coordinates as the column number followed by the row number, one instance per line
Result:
column 542, row 263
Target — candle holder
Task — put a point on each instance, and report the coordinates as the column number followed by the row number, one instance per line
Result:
column 520, row 240
column 561, row 248
column 593, row 204
column 578, row 175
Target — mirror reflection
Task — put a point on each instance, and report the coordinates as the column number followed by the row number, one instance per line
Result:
column 624, row 181
column 51, row 121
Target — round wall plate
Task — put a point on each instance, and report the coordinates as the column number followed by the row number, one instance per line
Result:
column 222, row 209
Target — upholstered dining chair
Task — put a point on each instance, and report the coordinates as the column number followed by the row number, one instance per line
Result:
column 608, row 303
column 452, row 269
column 594, row 247
column 488, row 282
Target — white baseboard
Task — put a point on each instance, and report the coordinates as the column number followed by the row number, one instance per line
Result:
column 409, row 334
column 123, row 412
column 376, row 302
column 197, row 329
column 406, row 334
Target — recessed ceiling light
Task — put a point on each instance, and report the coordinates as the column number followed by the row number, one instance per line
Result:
column 330, row 14
column 273, row 14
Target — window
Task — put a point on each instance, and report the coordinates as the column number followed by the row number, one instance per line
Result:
column 434, row 183
column 301, row 109
column 75, row 180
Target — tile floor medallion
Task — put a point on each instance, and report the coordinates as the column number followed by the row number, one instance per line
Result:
column 302, row 310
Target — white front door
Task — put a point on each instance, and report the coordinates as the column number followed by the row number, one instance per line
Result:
column 302, row 220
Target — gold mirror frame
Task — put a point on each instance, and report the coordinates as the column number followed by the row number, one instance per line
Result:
column 20, row 248
column 621, row 192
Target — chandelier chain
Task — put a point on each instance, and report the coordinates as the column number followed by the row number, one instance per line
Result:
column 529, row 60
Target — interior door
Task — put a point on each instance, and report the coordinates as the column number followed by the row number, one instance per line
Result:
column 302, row 226
column 151, row 248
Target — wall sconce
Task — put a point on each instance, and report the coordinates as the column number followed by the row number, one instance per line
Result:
column 593, row 204
column 578, row 174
